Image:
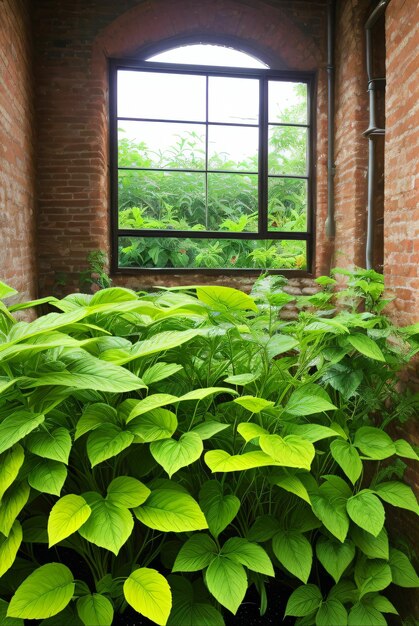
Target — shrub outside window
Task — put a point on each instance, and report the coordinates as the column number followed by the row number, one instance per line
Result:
column 210, row 168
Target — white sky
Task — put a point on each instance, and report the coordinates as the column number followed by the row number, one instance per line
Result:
column 182, row 97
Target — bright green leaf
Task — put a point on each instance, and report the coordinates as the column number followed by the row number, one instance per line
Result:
column 93, row 416
column 292, row 484
column 221, row 461
column 294, row 552
column 404, row 449
column 149, row 594
column 402, row 571
column 149, row 403
column 196, row 554
column 303, row 601
column 366, row 510
column 366, row 346
column 227, row 582
column 249, row 554
column 154, row 425
column 329, row 505
column 44, row 593
column 363, row 615
column 208, row 429
column 219, row 509
column 9, row 546
column 55, row 444
column 67, row 515
column 374, row 442
column 254, row 405
column 331, row 613
column 12, row 503
column 398, row 494
column 10, row 463
column 16, row 426
column 127, row 492
column 312, row 432
column 95, row 610
column 225, row 299
column 250, row 431
column 108, row 526
column 372, row 575
column 169, row 510
column 309, row 399
column 106, row 442
column 347, row 457
column 335, row 556
column 48, row 476
column 290, row 451
column 172, row 455
column 372, row 547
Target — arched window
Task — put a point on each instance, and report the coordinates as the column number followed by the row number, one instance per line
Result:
column 211, row 163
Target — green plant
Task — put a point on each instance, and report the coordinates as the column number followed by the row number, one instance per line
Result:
column 96, row 275
column 168, row 450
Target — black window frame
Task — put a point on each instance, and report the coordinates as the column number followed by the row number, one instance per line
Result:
column 263, row 75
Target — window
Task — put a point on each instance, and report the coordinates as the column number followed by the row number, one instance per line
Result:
column 211, row 166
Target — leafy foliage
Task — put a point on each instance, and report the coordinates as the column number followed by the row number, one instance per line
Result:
column 194, row 431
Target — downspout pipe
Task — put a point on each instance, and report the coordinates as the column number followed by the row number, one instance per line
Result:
column 331, row 20
column 372, row 130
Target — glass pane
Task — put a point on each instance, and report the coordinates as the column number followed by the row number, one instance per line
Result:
column 156, row 95
column 188, row 253
column 233, row 148
column 233, row 202
column 287, row 102
column 161, row 145
column 287, row 204
column 233, row 100
column 207, row 54
column 287, row 150
column 161, row 200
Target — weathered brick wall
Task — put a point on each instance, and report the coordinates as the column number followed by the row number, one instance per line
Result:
column 74, row 40
column 17, row 220
column 401, row 220
column 351, row 148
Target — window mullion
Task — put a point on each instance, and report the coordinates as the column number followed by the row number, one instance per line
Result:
column 206, row 151
column 263, row 156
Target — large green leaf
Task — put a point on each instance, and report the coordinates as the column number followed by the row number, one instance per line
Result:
column 219, row 509
column 343, row 378
column 171, row 510
column 398, row 494
column 404, row 449
column 172, row 454
column 227, row 581
column 16, row 426
column 221, row 461
column 84, row 371
column 194, row 613
column 67, row 515
column 95, row 610
column 112, row 294
column 159, row 371
column 294, row 552
column 249, row 554
column 303, row 601
column 334, row 556
column 366, row 346
column 154, row 425
column 196, row 554
column 372, row 575
column 329, row 505
column 402, row 571
column 363, row 615
column 309, row 399
column 204, row 392
column 289, row 451
column 254, row 405
column 374, row 442
column 12, row 503
column 372, row 547
column 148, row 592
column 106, row 442
column 9, row 546
column 312, row 432
column 55, row 444
column 108, row 526
column 155, row 401
column 292, row 484
column 331, row 613
column 381, row 603
column 44, row 593
column 160, row 343
column 48, row 476
column 250, row 431
column 10, row 463
column 225, row 299
column 95, row 415
column 127, row 492
column 346, row 455
column 208, row 429
column 6, row 291
column 366, row 510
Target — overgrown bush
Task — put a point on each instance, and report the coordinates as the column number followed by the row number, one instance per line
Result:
column 169, row 450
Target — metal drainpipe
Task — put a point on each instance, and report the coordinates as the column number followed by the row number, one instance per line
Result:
column 372, row 130
column 330, row 220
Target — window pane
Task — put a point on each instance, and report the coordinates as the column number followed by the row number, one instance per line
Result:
column 165, row 96
column 233, row 148
column 161, row 200
column 287, row 150
column 232, row 254
column 287, row 204
column 233, row 202
column 287, row 102
column 233, row 100
column 161, row 145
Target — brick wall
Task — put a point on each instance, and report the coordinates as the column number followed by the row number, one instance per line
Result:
column 401, row 220
column 74, row 40
column 17, row 220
